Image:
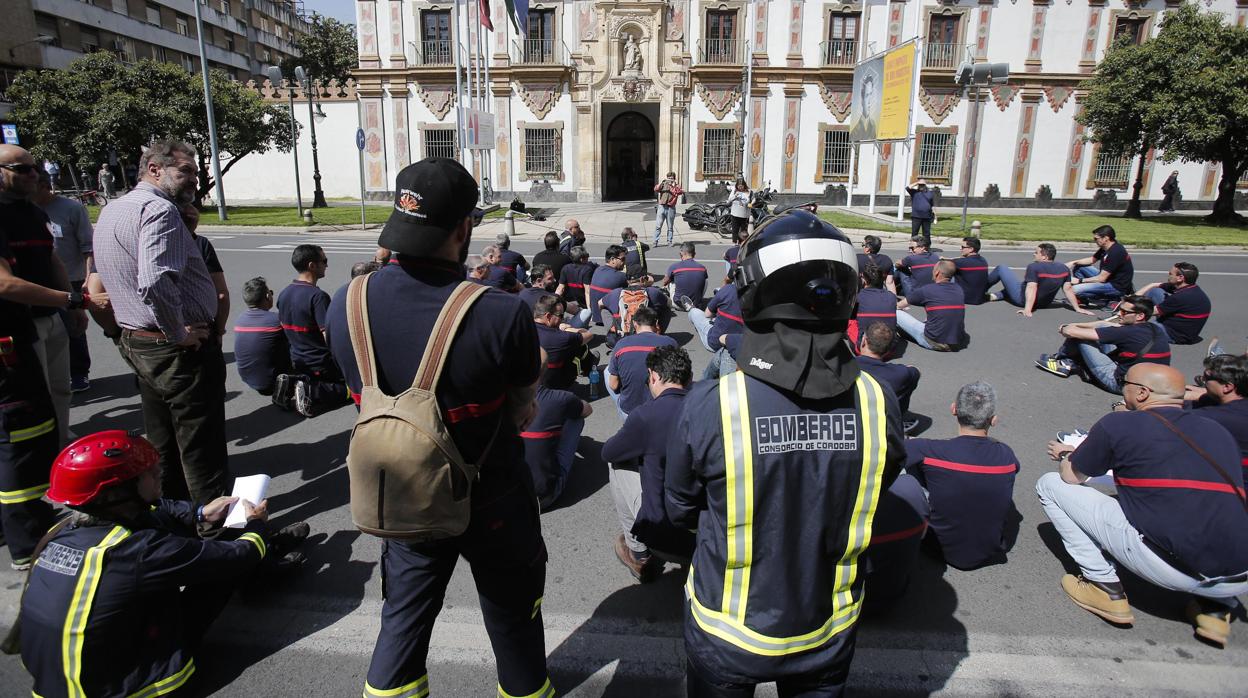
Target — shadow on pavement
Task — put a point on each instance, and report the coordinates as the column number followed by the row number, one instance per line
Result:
column 589, row 474
column 122, row 385
column 264, row 421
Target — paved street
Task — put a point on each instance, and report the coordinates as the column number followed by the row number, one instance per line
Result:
column 1002, row 630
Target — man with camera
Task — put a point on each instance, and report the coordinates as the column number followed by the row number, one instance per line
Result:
column 669, row 192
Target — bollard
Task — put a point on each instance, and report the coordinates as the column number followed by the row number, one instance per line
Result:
column 509, row 223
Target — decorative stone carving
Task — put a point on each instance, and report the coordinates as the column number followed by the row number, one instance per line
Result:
column 540, row 98
column 719, row 98
column 1003, row 95
column 586, row 24
column 838, row 100
column 619, row 19
column 437, row 98
column 331, row 91
column 633, row 90
column 939, row 103
column 675, row 21
column 632, row 55
column 1058, row 96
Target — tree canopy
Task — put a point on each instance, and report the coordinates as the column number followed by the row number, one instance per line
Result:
column 327, row 52
column 1184, row 92
column 99, row 105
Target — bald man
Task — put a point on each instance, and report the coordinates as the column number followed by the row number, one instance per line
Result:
column 944, row 303
column 572, row 236
column 1179, row 522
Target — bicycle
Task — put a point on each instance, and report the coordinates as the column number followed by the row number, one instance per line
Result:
column 87, row 197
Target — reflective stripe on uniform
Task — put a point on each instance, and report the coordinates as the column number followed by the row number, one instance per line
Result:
column 19, row 435
column 728, row 623
column 546, row 691
column 257, row 541
column 537, row 606
column 74, row 634
column 26, row 495
column 416, row 689
column 168, row 684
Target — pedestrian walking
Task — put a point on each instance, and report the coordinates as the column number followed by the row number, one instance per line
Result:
column 53, row 170
column 669, row 193
column 107, row 181
column 1169, row 190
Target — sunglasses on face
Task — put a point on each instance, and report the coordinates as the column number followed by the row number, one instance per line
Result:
column 1140, row 385
column 20, row 168
column 1202, row 379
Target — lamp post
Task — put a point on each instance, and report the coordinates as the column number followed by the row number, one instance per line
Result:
column 212, row 122
column 45, row 39
column 275, row 77
column 976, row 75
column 318, row 196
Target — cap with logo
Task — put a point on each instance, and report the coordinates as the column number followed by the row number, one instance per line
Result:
column 431, row 197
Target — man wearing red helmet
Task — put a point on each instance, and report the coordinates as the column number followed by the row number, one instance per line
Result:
column 128, row 564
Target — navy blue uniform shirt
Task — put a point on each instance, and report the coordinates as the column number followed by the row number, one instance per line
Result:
column 881, row 260
column 946, row 314
column 1170, row 493
column 645, row 435
column 628, row 363
column 689, row 277
column 633, row 257
column 261, row 351
column 501, row 278
column 554, row 259
column 1117, row 262
column 495, row 349
column 1131, row 343
column 972, row 276
column 901, row 378
column 541, row 438
column 532, row 295
column 920, row 267
column 970, row 486
column 1184, row 313
column 575, row 278
column 730, row 256
column 876, row 305
column 561, row 347
column 513, row 262
column 921, row 202
column 1233, row 416
column 1049, row 277
column 727, row 309
column 32, row 245
column 604, row 280
column 302, row 307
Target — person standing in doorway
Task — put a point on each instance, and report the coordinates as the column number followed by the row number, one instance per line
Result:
column 669, row 193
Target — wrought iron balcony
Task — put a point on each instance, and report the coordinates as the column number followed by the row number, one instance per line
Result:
column 839, row 51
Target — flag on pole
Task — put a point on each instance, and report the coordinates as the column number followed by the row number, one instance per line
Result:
column 484, row 11
column 518, row 10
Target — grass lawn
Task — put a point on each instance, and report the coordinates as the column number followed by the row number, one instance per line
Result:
column 285, row 216
column 1150, row 232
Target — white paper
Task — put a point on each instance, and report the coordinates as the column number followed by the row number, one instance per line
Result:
column 1074, row 439
column 252, row 488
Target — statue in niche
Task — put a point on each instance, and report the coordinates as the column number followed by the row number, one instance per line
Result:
column 632, row 55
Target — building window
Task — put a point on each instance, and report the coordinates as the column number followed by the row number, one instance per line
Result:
column 435, row 37
column 1110, row 170
column 842, row 45
column 229, row 42
column 539, row 45
column 225, row 7
column 265, row 56
column 90, row 39
column 158, row 54
column 440, row 143
column 719, row 45
column 1130, row 30
column 48, row 26
column 542, row 152
column 188, row 63
column 937, row 149
column 184, row 26
column 124, row 48
column 835, row 155
column 719, row 152
column 943, row 49
column 153, row 14
column 119, row 6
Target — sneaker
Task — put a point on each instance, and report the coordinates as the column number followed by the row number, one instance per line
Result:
column 909, row 425
column 1057, row 365
column 991, row 298
column 1094, row 597
column 290, row 537
column 641, row 567
column 284, row 390
column 21, row 565
column 1214, row 349
column 1211, row 620
column 303, row 397
column 79, row 385
column 686, row 303
column 1092, row 303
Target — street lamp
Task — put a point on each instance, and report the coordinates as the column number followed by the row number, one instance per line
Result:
column 275, row 77
column 318, row 196
column 977, row 75
column 44, row 39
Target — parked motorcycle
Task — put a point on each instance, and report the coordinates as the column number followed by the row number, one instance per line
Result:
column 705, row 216
column 760, row 204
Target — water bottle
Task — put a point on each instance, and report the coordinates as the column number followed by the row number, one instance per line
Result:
column 595, row 380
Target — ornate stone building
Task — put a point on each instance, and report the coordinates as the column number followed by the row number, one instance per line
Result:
column 603, row 96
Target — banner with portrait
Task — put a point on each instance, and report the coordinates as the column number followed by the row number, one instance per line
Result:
column 883, row 96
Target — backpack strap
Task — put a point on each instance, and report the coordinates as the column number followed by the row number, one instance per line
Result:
column 443, row 333
column 361, row 333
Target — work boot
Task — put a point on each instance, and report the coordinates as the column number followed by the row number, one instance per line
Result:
column 1211, row 620
column 1105, row 599
column 640, row 565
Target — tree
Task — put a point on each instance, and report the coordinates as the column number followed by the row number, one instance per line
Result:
column 327, row 52
column 98, row 106
column 1203, row 115
column 1118, row 106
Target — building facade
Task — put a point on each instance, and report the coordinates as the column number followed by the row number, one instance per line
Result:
column 601, row 97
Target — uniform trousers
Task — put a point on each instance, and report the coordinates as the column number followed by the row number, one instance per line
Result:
column 28, row 445
column 53, row 351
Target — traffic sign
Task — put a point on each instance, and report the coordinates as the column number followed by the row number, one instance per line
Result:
column 10, row 134
column 359, row 138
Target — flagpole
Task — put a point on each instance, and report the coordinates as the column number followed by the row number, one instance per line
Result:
column 488, row 98
column 459, row 99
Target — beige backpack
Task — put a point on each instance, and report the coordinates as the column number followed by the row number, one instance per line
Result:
column 408, row 479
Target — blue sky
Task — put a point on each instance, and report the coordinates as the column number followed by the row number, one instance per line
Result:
column 341, row 10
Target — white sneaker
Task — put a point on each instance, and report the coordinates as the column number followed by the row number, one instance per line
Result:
column 303, row 397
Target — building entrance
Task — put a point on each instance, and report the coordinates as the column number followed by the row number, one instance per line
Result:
column 631, row 157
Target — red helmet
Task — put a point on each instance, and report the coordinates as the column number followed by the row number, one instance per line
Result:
column 94, row 462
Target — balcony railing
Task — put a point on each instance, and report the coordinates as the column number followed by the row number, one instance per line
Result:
column 721, row 51
column 434, row 52
column 839, row 51
column 944, row 55
column 540, row 52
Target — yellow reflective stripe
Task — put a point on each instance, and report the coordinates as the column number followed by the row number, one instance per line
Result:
column 726, row 399
column 546, row 691
column 169, row 684
column 416, row 689
column 80, row 608
column 537, row 605
column 739, row 468
column 18, row 435
column 19, row 496
column 871, row 407
column 257, row 541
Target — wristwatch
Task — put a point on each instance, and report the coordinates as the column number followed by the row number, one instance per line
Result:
column 77, row 301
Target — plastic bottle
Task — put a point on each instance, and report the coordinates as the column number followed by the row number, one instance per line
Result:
column 595, row 381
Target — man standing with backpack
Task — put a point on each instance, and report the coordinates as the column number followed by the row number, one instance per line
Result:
column 472, row 497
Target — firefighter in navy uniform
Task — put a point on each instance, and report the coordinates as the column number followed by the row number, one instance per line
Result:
column 780, row 467
column 125, row 589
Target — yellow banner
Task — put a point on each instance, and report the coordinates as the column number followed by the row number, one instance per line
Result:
column 894, row 123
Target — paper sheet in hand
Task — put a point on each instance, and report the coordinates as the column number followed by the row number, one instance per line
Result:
column 1074, row 439
column 252, row 488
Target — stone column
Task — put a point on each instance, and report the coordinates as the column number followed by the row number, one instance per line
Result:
column 1024, row 144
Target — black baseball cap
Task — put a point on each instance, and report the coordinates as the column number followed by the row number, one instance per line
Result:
column 431, row 197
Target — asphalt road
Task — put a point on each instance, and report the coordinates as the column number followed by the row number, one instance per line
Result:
column 1006, row 629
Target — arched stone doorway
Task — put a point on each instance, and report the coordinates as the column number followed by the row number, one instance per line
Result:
column 629, row 168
